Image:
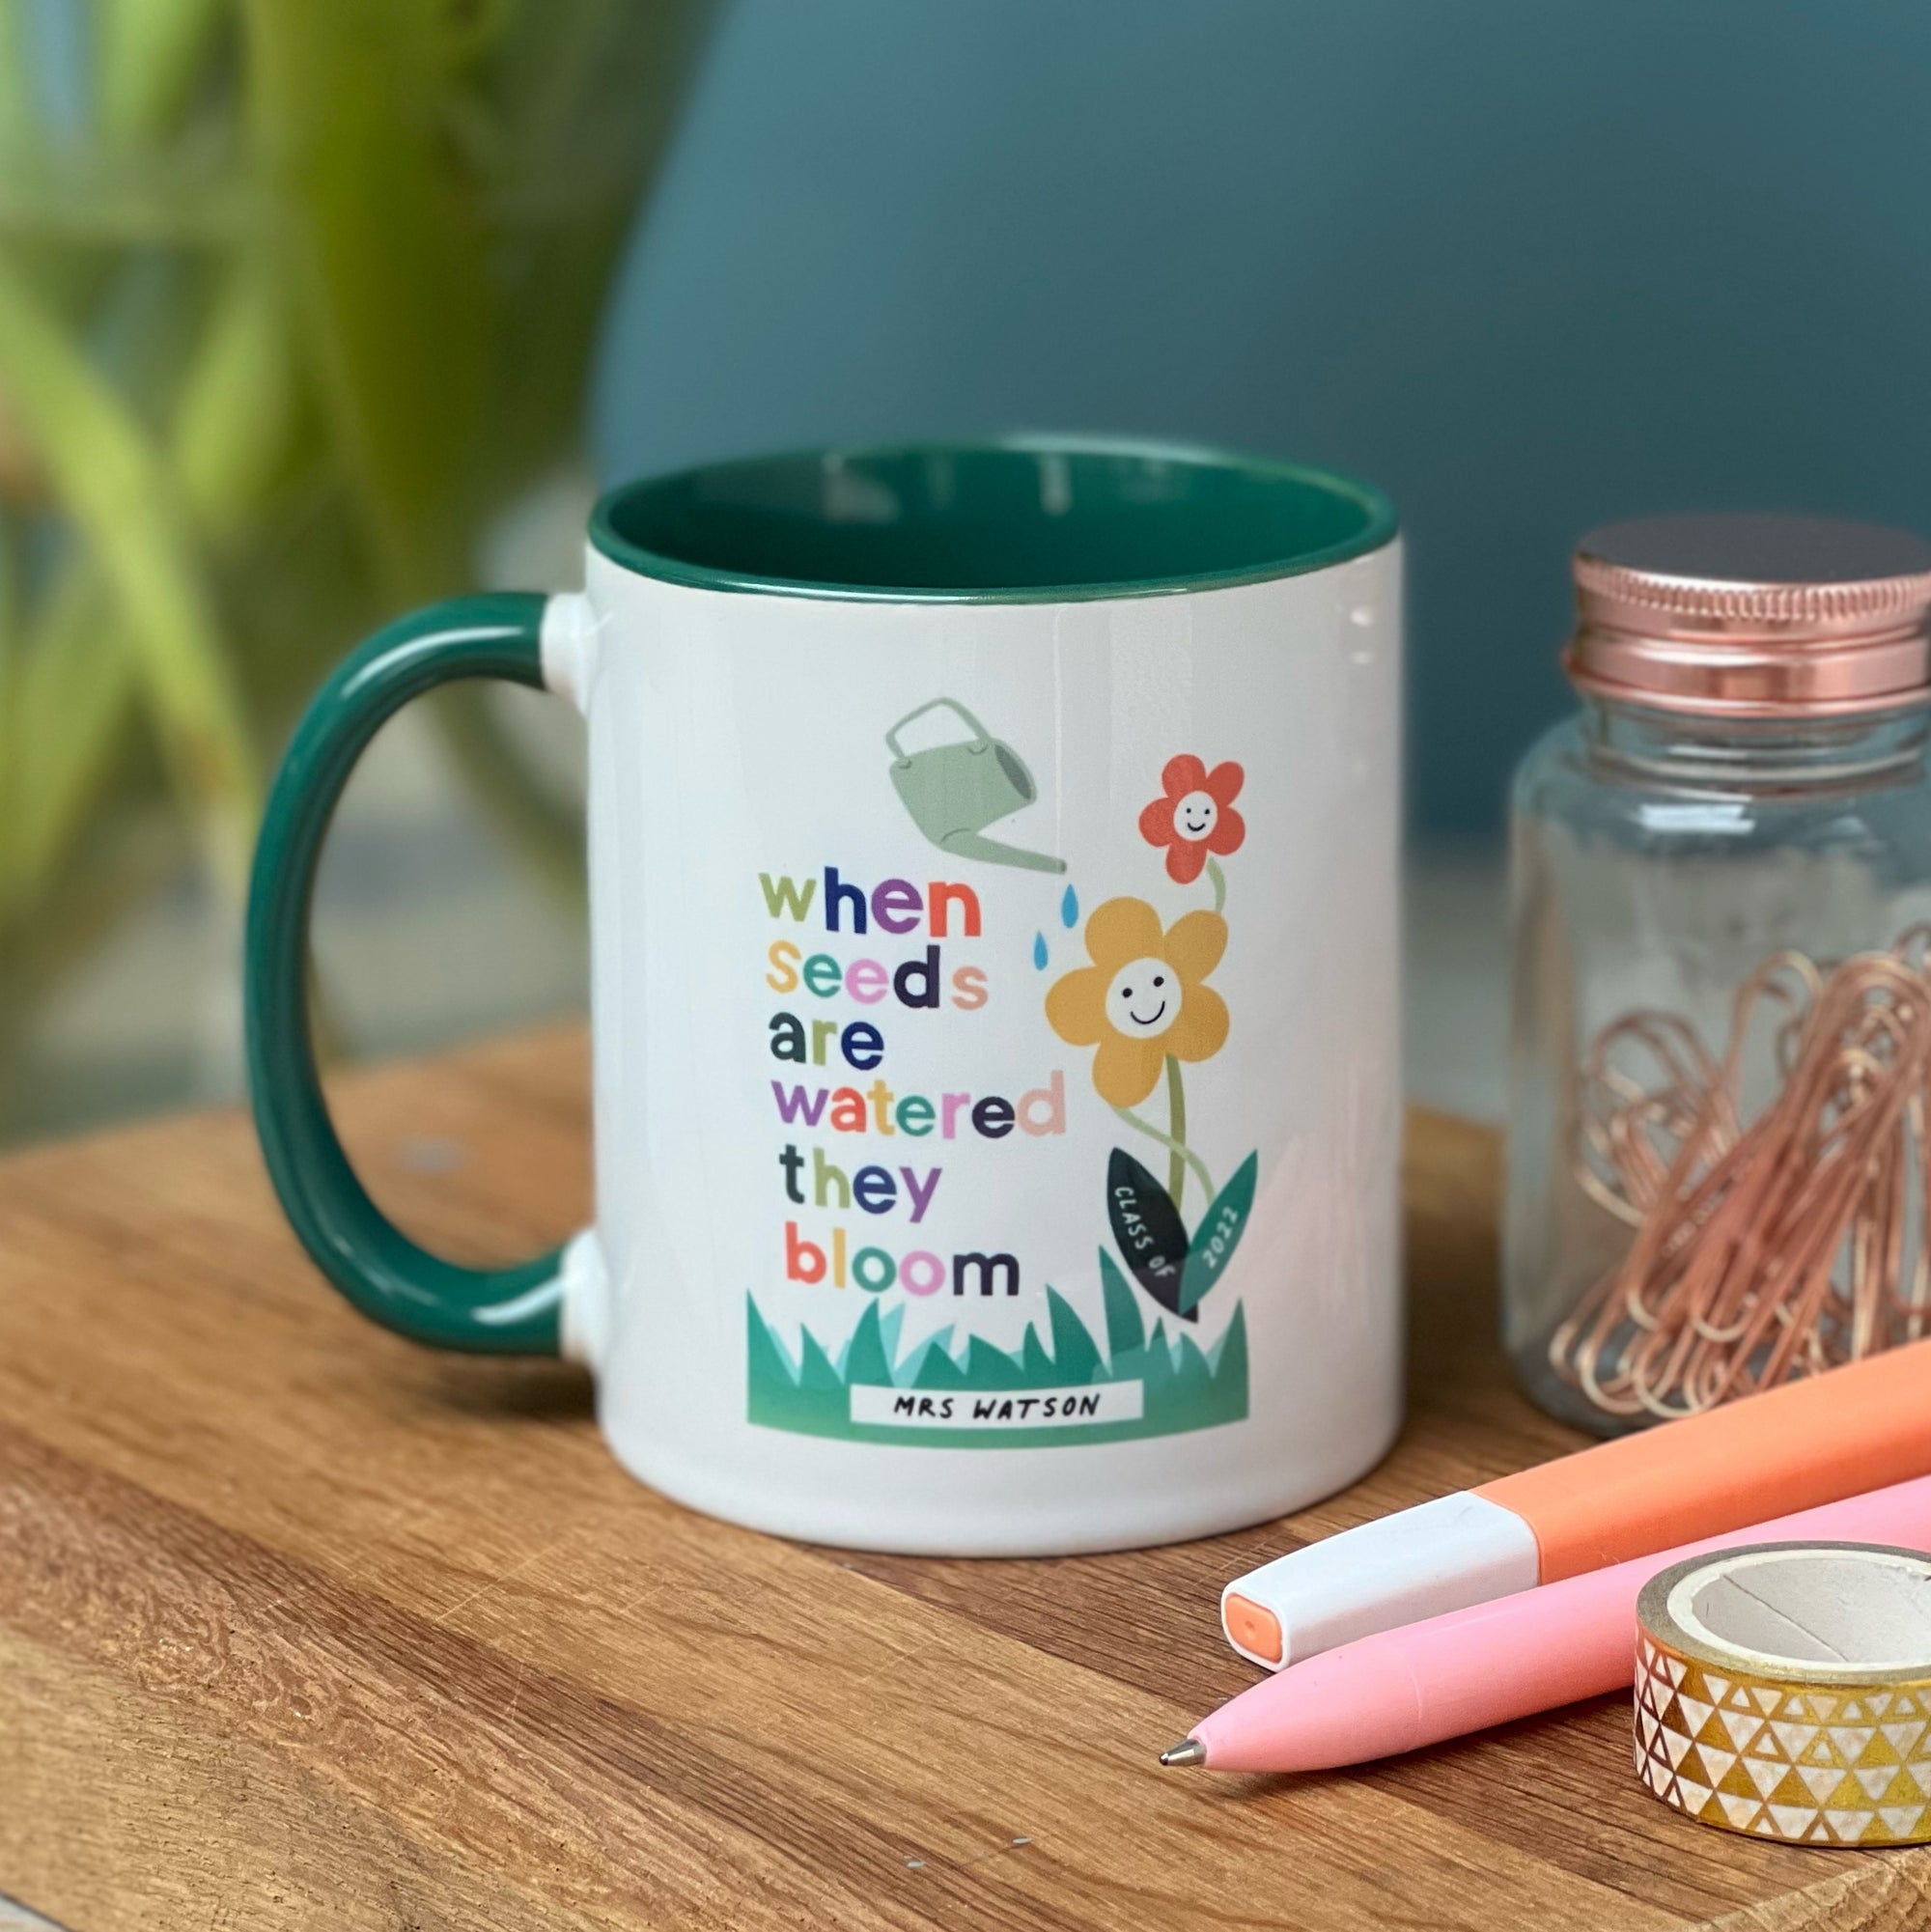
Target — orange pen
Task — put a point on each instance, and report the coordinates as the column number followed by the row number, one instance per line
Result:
column 1807, row 1442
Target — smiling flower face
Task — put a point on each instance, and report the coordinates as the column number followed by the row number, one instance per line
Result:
column 1148, row 983
column 1143, row 998
column 1194, row 815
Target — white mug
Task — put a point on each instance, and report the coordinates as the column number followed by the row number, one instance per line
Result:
column 992, row 863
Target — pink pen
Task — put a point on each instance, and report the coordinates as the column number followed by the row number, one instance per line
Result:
column 1401, row 1689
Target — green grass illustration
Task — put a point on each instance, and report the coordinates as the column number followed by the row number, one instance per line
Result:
column 1185, row 1386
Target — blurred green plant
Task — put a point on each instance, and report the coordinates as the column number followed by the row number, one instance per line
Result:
column 296, row 296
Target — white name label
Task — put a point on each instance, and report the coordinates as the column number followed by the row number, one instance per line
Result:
column 997, row 1408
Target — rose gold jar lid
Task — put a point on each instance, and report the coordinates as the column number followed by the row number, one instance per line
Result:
column 1753, row 616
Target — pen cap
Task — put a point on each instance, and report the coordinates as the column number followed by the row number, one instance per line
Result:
column 1440, row 1556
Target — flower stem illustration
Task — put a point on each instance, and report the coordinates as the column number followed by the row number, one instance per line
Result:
column 1176, row 1125
column 1182, row 1156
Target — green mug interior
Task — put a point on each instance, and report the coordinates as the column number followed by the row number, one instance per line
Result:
column 1032, row 520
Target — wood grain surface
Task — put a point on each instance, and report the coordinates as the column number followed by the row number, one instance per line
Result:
column 303, row 1626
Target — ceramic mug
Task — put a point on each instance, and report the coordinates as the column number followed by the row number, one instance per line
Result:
column 992, row 897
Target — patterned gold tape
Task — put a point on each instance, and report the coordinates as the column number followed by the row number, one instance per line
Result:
column 1826, row 1755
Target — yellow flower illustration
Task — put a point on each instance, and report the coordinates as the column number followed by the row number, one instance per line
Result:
column 1144, row 996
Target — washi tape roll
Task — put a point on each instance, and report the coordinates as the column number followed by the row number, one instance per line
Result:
column 1783, row 1690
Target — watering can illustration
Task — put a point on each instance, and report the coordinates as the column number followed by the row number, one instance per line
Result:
column 955, row 791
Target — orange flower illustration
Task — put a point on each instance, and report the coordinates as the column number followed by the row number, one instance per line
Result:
column 1194, row 815
column 1144, row 997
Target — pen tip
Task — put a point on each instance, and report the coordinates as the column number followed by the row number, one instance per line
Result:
column 1187, row 1751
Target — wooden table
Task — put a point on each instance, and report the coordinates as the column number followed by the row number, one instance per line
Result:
column 300, row 1625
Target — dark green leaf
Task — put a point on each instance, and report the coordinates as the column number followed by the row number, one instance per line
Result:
column 1149, row 1230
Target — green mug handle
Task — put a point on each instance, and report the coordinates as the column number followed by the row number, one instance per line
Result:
column 495, row 1310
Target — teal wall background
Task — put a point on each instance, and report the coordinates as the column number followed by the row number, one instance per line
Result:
column 1528, row 265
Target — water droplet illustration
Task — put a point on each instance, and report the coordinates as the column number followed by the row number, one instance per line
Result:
column 1069, row 908
column 1039, row 950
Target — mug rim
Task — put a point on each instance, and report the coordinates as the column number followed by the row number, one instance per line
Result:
column 1379, row 523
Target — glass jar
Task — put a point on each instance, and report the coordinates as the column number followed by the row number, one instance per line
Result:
column 1721, row 1021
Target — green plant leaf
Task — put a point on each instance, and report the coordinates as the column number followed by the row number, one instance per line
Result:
column 146, row 56
column 1075, row 1359
column 988, row 1367
column 236, row 418
column 18, row 121
column 768, row 1361
column 385, row 265
column 118, row 491
column 1037, row 1368
column 72, row 695
column 1217, row 1236
column 1230, row 1352
column 867, row 1359
column 1126, row 1333
column 231, row 427
column 1158, row 1373
column 815, row 1368
column 1191, row 1370
column 937, row 1370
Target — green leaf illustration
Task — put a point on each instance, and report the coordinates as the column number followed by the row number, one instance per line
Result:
column 1216, row 1236
column 1230, row 1353
column 768, row 1362
column 1037, row 1368
column 868, row 1360
column 937, row 1370
column 1075, row 1359
column 815, row 1368
column 1149, row 1229
column 988, row 1367
column 1126, row 1333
